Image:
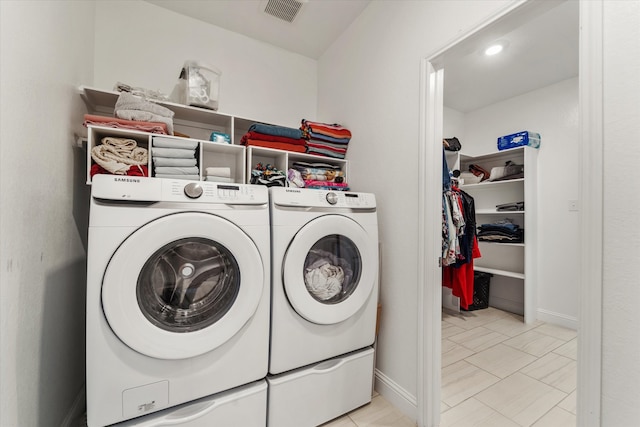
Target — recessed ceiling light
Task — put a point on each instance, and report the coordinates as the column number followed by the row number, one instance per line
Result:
column 493, row 49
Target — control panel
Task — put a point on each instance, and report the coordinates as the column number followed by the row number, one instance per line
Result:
column 322, row 198
column 210, row 192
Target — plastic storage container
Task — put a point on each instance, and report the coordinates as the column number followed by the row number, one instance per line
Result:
column 524, row 138
column 199, row 85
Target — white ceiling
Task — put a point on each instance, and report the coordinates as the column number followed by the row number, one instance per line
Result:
column 316, row 26
column 542, row 42
column 542, row 49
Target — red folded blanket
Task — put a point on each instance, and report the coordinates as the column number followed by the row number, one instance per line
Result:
column 272, row 138
column 114, row 122
column 276, row 145
column 139, row 170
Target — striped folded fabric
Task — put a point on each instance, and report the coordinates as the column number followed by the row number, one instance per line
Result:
column 325, row 129
column 323, row 139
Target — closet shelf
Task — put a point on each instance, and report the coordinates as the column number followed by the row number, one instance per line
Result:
column 497, row 272
column 502, row 243
column 496, row 212
column 486, row 184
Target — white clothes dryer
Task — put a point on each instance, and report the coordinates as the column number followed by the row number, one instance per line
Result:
column 325, row 275
column 177, row 293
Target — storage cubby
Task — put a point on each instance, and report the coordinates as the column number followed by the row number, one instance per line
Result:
column 283, row 160
column 95, row 134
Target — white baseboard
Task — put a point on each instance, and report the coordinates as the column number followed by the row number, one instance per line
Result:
column 396, row 395
column 558, row 319
column 77, row 409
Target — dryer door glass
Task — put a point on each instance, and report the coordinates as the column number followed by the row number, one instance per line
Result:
column 188, row 285
column 332, row 269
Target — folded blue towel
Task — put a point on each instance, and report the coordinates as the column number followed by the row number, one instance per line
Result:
column 173, row 161
column 173, row 152
column 175, row 170
column 159, row 141
column 276, row 130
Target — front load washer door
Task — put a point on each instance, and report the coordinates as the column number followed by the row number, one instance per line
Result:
column 182, row 285
column 329, row 269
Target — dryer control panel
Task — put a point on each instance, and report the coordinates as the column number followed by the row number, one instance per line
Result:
column 322, row 198
column 175, row 190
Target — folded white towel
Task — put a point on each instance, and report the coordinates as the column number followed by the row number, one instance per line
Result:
column 159, row 141
column 188, row 177
column 117, row 155
column 218, row 179
column 145, row 116
column 175, row 170
column 179, row 153
column 170, row 161
column 219, row 171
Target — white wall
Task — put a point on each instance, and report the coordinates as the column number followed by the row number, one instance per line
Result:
column 143, row 45
column 621, row 246
column 553, row 112
column 369, row 82
column 47, row 50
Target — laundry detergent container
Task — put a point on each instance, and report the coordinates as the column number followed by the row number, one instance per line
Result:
column 199, row 85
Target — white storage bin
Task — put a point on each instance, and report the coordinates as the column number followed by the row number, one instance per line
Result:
column 313, row 395
column 244, row 406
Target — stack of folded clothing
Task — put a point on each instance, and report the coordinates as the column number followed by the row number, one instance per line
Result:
column 268, row 175
column 218, row 174
column 330, row 140
column 114, row 122
column 132, row 107
column 317, row 175
column 502, row 231
column 119, row 156
column 278, row 137
column 174, row 158
column 513, row 206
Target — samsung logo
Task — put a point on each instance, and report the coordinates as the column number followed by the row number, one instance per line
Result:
column 126, row 180
column 292, row 191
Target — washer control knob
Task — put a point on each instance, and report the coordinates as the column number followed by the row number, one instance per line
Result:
column 193, row 190
column 332, row 198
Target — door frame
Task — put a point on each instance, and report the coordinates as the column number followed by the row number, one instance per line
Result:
column 429, row 344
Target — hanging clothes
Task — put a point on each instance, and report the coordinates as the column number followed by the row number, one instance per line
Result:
column 459, row 240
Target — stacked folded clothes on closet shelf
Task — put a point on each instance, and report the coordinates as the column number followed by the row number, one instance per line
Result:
column 277, row 137
column 174, row 158
column 218, row 174
column 323, row 139
column 513, row 206
column 317, row 175
column 114, row 122
column 502, row 231
column 132, row 107
column 268, row 175
column 119, row 156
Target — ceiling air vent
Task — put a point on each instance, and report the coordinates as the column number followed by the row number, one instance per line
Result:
column 284, row 9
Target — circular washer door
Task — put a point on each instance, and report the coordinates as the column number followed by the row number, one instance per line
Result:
column 182, row 285
column 329, row 269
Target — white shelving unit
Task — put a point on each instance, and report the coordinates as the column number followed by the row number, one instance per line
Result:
column 513, row 265
column 198, row 123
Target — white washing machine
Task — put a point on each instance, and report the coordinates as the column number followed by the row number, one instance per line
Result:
column 324, row 301
column 177, row 293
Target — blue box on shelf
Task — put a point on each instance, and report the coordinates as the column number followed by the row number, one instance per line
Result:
column 524, row 138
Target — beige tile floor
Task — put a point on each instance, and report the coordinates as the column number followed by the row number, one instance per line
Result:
column 496, row 371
